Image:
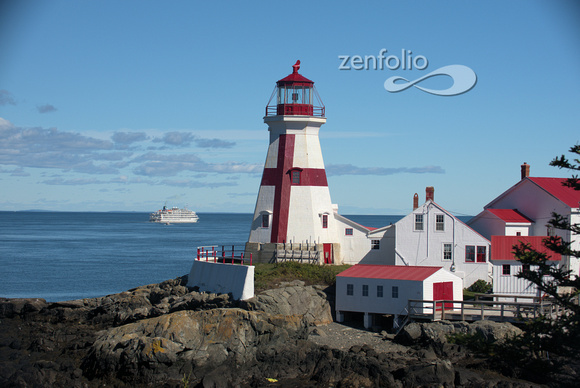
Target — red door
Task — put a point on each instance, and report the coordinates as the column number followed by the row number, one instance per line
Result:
column 327, row 252
column 443, row 291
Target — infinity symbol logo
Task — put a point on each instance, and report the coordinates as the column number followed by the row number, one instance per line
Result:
column 464, row 79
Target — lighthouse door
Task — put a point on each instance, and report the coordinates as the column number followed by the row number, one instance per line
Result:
column 327, row 252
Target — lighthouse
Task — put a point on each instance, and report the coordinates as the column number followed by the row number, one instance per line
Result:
column 293, row 210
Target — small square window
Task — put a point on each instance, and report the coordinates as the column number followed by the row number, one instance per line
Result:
column 375, row 244
column 505, row 269
column 525, row 268
column 349, row 289
column 439, row 222
column 470, row 253
column 325, row 221
column 295, row 177
column 365, row 290
column 447, row 252
column 348, row 232
column 265, row 220
column 379, row 291
column 395, row 292
column 418, row 221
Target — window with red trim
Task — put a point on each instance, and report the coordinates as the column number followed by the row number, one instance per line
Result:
column 481, row 254
column 325, row 221
column 348, row 231
column 470, row 253
column 505, row 269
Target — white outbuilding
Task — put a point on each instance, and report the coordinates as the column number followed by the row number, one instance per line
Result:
column 386, row 289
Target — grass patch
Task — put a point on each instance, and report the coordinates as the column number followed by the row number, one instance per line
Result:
column 271, row 275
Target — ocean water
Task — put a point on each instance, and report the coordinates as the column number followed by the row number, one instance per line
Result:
column 66, row 255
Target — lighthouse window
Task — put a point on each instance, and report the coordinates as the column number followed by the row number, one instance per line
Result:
column 295, row 177
column 265, row 220
column 325, row 221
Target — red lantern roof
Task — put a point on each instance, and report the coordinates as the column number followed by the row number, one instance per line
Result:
column 295, row 77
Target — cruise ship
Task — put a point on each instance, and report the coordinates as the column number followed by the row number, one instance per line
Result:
column 174, row 215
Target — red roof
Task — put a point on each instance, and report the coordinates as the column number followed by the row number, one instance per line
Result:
column 554, row 186
column 509, row 215
column 397, row 272
column 502, row 247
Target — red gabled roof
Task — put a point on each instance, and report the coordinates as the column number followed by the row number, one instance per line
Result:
column 509, row 215
column 502, row 247
column 554, row 186
column 397, row 272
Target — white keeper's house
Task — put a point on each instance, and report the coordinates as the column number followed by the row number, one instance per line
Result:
column 432, row 236
column 524, row 210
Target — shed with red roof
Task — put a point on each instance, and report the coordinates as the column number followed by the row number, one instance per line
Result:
column 386, row 289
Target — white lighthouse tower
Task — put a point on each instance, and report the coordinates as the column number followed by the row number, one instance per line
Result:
column 293, row 210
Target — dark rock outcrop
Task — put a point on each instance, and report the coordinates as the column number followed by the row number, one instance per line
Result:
column 170, row 336
column 161, row 349
column 438, row 333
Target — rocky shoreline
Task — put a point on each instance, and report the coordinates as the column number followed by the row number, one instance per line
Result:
column 166, row 335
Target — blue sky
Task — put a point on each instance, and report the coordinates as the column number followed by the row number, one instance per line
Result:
column 109, row 105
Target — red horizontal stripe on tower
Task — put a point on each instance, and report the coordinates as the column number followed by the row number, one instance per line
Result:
column 308, row 177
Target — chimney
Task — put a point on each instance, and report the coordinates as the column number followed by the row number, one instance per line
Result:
column 415, row 201
column 525, row 170
column 430, row 193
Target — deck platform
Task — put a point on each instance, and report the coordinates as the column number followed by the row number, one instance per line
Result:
column 521, row 309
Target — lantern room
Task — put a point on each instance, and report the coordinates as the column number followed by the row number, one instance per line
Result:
column 295, row 95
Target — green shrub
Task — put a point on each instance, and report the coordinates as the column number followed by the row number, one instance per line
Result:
column 480, row 286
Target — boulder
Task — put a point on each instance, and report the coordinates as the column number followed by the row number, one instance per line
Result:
column 293, row 299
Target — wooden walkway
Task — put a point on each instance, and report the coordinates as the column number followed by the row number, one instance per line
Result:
column 478, row 309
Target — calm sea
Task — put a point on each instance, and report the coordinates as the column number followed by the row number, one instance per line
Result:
column 63, row 256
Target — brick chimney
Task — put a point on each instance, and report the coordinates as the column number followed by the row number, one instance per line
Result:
column 430, row 193
column 415, row 201
column 525, row 170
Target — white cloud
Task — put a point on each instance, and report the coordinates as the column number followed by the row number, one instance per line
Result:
column 349, row 169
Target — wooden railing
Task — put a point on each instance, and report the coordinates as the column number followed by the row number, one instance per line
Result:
column 479, row 310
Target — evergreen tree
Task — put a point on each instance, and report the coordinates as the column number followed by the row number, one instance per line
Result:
column 548, row 338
